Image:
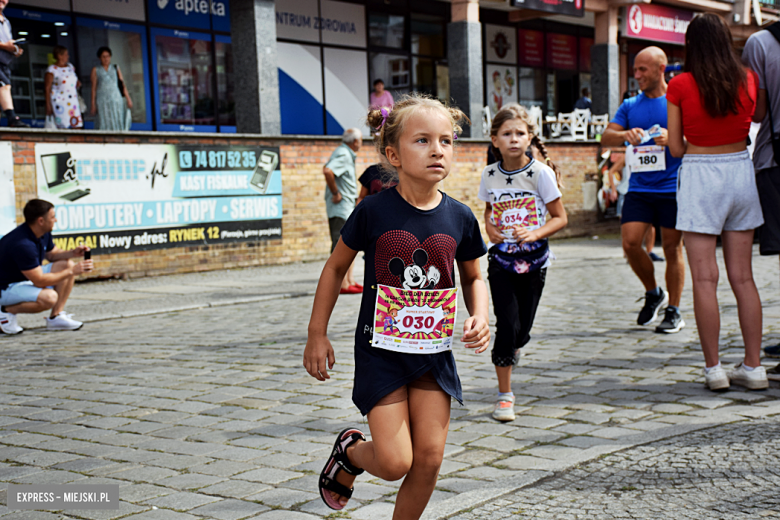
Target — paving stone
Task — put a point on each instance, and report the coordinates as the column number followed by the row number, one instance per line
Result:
column 284, row 498
column 229, row 510
column 181, row 501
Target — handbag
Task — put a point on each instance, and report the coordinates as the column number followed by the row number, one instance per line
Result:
column 119, row 82
column 774, row 29
column 50, row 123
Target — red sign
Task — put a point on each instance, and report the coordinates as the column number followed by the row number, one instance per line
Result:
column 561, row 51
column 530, row 47
column 657, row 23
column 585, row 45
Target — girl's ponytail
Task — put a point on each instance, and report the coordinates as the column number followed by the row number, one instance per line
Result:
column 539, row 145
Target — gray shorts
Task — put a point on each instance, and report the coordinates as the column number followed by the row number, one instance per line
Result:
column 717, row 193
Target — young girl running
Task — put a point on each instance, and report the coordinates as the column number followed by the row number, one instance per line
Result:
column 405, row 374
column 518, row 192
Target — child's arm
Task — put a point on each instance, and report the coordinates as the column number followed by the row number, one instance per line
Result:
column 493, row 233
column 616, row 166
column 318, row 355
column 557, row 221
column 476, row 332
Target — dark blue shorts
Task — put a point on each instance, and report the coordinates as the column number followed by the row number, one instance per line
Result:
column 658, row 209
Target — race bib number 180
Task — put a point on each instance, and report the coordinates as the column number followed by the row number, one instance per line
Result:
column 650, row 158
column 414, row 321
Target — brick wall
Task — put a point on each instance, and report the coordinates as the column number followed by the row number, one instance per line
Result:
column 305, row 234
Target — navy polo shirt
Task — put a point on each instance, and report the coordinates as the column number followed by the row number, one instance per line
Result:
column 21, row 250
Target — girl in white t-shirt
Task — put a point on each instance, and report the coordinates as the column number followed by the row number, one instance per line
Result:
column 518, row 192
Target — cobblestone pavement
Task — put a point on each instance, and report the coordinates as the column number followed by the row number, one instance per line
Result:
column 731, row 471
column 205, row 412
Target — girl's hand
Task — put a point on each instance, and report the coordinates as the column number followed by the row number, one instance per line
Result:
column 476, row 334
column 523, row 235
column 494, row 233
column 318, row 357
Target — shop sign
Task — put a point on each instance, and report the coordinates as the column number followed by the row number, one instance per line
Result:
column 129, row 197
column 501, row 44
column 340, row 23
column 37, row 16
column 60, row 5
column 7, row 192
column 567, row 7
column 127, row 9
column 531, row 48
column 297, row 20
column 585, row 45
column 656, row 23
column 561, row 51
column 501, row 84
column 198, row 14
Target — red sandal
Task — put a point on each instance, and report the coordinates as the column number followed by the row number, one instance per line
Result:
column 339, row 461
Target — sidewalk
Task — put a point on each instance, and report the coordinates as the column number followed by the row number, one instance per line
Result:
column 194, row 400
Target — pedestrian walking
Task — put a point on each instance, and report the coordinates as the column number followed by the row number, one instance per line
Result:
column 341, row 194
column 709, row 123
column 760, row 54
column 373, row 180
column 61, row 84
column 412, row 235
column 518, row 192
column 651, row 199
column 9, row 51
column 110, row 99
column 380, row 97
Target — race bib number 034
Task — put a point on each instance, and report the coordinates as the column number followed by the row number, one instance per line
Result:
column 651, row 158
column 414, row 321
column 515, row 212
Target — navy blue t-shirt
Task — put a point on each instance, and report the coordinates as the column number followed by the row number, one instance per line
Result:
column 388, row 228
column 21, row 250
column 643, row 112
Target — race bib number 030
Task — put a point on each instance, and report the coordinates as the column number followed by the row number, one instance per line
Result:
column 414, row 321
column 651, row 158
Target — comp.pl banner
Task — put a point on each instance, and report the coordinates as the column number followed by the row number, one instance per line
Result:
column 131, row 197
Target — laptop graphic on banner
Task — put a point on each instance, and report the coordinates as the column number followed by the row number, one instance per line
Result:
column 60, row 172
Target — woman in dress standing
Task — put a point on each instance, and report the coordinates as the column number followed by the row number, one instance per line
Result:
column 107, row 102
column 62, row 84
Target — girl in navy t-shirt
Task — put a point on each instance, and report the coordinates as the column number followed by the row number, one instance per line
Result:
column 405, row 375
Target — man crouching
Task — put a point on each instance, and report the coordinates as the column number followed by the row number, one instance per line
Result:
column 27, row 286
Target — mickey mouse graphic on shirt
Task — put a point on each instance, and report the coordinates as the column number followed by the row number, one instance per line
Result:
column 413, row 276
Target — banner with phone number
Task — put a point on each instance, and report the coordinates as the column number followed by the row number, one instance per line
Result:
column 132, row 197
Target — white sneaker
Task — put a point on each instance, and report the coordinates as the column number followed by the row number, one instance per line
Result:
column 504, row 410
column 751, row 379
column 716, row 378
column 8, row 323
column 63, row 321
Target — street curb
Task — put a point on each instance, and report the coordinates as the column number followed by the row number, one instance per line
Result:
column 195, row 306
column 501, row 487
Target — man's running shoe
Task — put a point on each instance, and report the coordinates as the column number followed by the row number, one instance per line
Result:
column 716, row 378
column 654, row 257
column 672, row 322
column 653, row 304
column 773, row 374
column 773, row 351
column 505, row 409
column 18, row 123
column 751, row 379
column 8, row 323
column 63, row 321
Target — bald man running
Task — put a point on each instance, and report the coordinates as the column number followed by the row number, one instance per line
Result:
column 652, row 192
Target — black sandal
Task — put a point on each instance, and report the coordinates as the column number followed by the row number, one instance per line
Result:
column 337, row 462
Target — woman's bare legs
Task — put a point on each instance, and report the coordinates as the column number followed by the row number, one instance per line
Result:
column 704, row 273
column 738, row 253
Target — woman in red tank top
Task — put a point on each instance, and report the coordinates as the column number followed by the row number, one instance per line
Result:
column 710, row 107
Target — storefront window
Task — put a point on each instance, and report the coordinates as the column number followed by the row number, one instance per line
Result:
column 185, row 80
column 531, row 87
column 424, row 75
column 386, row 30
column 43, row 31
column 128, row 51
column 393, row 69
column 427, row 36
column 225, row 84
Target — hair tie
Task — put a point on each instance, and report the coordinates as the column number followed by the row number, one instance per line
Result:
column 547, row 160
column 385, row 114
column 455, row 137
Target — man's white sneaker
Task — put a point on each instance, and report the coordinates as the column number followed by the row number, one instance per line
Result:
column 8, row 323
column 62, row 321
column 716, row 378
column 505, row 409
column 751, row 379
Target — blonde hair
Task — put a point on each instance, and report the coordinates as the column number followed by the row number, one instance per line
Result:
column 515, row 111
column 390, row 125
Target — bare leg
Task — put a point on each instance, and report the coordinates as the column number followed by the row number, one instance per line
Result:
column 633, row 236
column 704, row 272
column 650, row 240
column 738, row 253
column 504, row 379
column 6, row 101
column 47, row 298
column 429, row 412
column 675, row 264
column 63, row 288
